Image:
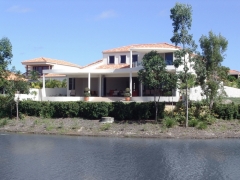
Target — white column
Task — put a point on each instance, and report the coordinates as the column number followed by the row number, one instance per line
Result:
column 89, row 81
column 68, row 93
column 100, row 86
column 130, row 58
column 130, row 83
column 43, row 88
column 141, row 89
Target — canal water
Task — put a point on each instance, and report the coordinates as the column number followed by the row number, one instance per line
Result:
column 43, row 157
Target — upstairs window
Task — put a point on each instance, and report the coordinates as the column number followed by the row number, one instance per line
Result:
column 111, row 59
column 40, row 69
column 123, row 59
column 169, row 58
column 135, row 58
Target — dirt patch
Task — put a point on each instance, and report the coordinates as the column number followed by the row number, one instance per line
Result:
column 149, row 129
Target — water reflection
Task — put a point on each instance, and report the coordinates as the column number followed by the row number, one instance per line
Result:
column 62, row 157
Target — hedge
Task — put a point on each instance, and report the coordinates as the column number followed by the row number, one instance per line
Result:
column 91, row 110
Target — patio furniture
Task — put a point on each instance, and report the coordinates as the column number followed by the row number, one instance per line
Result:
column 110, row 93
column 115, row 93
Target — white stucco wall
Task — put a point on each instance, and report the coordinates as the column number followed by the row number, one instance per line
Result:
column 56, row 91
column 56, row 66
column 232, row 92
column 31, row 95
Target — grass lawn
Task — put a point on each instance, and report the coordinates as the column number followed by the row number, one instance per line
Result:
column 235, row 100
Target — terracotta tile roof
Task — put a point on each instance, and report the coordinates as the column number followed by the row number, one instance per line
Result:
column 49, row 60
column 96, row 62
column 54, row 75
column 14, row 77
column 113, row 66
column 234, row 72
column 153, row 45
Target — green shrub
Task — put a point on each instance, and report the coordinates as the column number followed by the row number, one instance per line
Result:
column 30, row 108
column 226, row 111
column 47, row 110
column 169, row 122
column 202, row 125
column 105, row 127
column 3, row 122
column 118, row 110
column 193, row 123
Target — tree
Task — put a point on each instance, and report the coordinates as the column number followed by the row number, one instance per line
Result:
column 155, row 76
column 5, row 60
column 34, row 75
column 181, row 14
column 210, row 72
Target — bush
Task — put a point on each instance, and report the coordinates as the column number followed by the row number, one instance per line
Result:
column 193, row 123
column 3, row 122
column 226, row 111
column 30, row 108
column 105, row 127
column 202, row 125
column 169, row 122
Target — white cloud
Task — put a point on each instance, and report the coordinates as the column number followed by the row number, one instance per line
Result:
column 106, row 15
column 18, row 9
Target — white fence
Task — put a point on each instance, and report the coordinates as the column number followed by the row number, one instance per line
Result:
column 60, row 94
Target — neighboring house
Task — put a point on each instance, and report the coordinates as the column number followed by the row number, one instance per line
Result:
column 42, row 63
column 234, row 73
column 117, row 71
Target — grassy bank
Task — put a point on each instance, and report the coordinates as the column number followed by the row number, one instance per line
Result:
column 148, row 129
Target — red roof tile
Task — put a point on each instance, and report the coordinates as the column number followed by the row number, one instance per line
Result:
column 234, row 72
column 96, row 62
column 113, row 66
column 153, row 45
column 54, row 75
column 49, row 60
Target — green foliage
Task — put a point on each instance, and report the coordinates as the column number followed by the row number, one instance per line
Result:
column 169, row 122
column 49, row 83
column 135, row 111
column 3, row 122
column 5, row 55
column 181, row 14
column 87, row 92
column 91, row 110
column 95, row 110
column 105, row 127
column 155, row 75
column 7, row 106
column 202, row 125
column 193, row 122
column 226, row 111
column 47, row 110
column 30, row 108
column 210, row 72
column 34, row 75
column 127, row 92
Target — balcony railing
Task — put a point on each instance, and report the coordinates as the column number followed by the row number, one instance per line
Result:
column 136, row 64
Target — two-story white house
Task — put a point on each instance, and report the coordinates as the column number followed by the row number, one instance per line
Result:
column 116, row 71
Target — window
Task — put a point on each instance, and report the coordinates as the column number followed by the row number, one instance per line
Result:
column 71, row 84
column 111, row 59
column 123, row 59
column 169, row 58
column 40, row 69
column 135, row 58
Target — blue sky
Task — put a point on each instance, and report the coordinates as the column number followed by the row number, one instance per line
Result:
column 79, row 30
